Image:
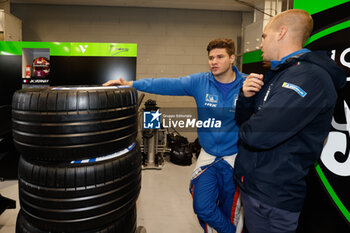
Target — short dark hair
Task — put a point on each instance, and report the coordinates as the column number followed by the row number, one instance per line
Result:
column 227, row 44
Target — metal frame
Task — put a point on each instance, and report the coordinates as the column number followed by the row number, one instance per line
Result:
column 160, row 149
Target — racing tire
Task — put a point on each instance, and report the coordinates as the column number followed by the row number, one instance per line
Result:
column 126, row 224
column 80, row 195
column 70, row 123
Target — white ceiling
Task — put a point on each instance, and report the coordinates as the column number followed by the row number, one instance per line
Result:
column 227, row 5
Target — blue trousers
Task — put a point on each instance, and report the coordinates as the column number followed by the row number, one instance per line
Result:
column 263, row 218
column 215, row 197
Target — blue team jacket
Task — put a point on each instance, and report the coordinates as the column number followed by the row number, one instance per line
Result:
column 210, row 104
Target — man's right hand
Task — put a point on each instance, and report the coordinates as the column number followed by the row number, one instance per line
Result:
column 252, row 84
column 119, row 81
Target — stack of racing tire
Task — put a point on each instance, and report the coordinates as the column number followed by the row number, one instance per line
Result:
column 80, row 166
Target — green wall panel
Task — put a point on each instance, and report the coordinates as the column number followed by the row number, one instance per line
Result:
column 72, row 49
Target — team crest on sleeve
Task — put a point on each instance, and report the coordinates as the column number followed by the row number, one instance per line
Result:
column 295, row 88
column 211, row 100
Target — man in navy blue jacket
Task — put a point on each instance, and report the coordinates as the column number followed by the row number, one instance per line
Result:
column 215, row 197
column 284, row 118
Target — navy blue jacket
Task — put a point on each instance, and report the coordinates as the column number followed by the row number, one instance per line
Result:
column 210, row 104
column 283, row 128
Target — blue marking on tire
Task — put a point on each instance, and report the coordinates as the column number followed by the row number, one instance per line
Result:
column 106, row 157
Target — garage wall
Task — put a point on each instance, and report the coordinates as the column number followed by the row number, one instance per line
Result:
column 171, row 42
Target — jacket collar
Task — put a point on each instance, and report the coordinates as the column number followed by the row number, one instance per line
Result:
column 286, row 59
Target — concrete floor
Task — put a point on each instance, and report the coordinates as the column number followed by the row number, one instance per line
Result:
column 8, row 218
column 164, row 204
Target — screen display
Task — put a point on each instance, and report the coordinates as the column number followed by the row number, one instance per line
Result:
column 10, row 77
column 90, row 70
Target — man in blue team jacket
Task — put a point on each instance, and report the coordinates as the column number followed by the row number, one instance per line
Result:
column 212, row 186
column 285, row 117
